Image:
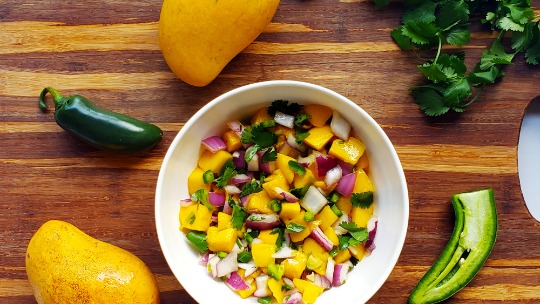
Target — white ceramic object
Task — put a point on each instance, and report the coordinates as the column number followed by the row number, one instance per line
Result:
column 391, row 196
column 528, row 164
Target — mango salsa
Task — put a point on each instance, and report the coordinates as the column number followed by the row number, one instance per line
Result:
column 267, row 222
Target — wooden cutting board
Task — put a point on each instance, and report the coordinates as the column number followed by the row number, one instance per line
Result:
column 108, row 51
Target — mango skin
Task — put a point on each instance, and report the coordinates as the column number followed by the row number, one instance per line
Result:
column 198, row 38
column 65, row 265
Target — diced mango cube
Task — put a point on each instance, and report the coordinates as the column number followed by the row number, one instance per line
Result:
column 348, row 151
column 268, row 237
column 289, row 210
column 214, row 161
column 282, row 162
column 274, row 182
column 360, row 216
column 222, row 240
column 262, row 254
column 331, row 235
column 363, row 182
column 319, row 137
column 323, row 186
column 224, row 221
column 276, row 287
column 248, row 292
column 307, row 179
column 295, row 266
column 261, row 116
column 310, row 292
column 363, row 162
column 196, row 182
column 195, row 217
column 342, row 256
column 311, row 247
column 232, row 140
column 344, row 204
column 299, row 236
column 319, row 114
column 358, row 251
column 258, row 202
column 327, row 217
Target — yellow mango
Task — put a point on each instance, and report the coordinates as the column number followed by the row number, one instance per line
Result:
column 344, row 204
column 310, row 292
column 363, row 162
column 331, row 235
column 299, row 236
column 261, row 116
column 65, row 265
column 224, row 221
column 327, row 217
column 195, row 181
column 214, row 161
column 232, row 140
column 319, row 137
column 348, row 151
column 311, row 247
column 358, row 251
column 301, row 181
column 276, row 180
column 199, row 38
column 295, row 266
column 342, row 256
column 289, row 210
column 268, row 237
column 276, row 287
column 363, row 182
column 319, row 114
column 195, row 217
column 360, row 216
column 222, row 240
column 282, row 162
column 262, row 254
column 258, row 202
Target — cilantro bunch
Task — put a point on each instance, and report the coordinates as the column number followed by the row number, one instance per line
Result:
column 432, row 24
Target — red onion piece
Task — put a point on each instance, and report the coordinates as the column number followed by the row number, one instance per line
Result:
column 186, row 202
column 214, row 144
column 217, row 199
column 306, row 161
column 213, row 260
column 318, row 235
column 262, row 283
column 232, row 189
column 313, row 200
column 227, row 265
column 372, row 231
column 340, row 126
column 253, row 164
column 337, row 228
column 340, row 274
column 329, row 274
column 291, row 140
column 259, row 221
column 239, row 160
column 333, row 176
column 240, row 179
column 227, row 208
column 289, row 197
column 345, row 168
column 294, row 298
column 345, row 185
column 324, row 163
column 236, row 283
column 236, row 126
column 244, row 200
column 323, row 281
column 204, row 259
column 283, row 253
column 266, row 167
column 249, row 267
column 283, row 119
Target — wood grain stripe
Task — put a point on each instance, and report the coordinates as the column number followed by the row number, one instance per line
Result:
column 52, row 127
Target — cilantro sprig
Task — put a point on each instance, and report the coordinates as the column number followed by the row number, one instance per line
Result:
column 432, row 24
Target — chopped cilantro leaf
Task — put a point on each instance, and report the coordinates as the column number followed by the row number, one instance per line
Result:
column 281, row 236
column 251, row 152
column 238, row 217
column 265, row 300
column 283, row 106
column 201, row 196
column 359, row 234
column 294, row 227
column 301, row 119
column 251, row 187
column 244, row 257
column 269, row 155
column 208, row 177
column 362, row 200
column 225, row 177
column 300, row 136
column 300, row 192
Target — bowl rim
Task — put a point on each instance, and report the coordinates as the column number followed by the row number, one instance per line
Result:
column 404, row 193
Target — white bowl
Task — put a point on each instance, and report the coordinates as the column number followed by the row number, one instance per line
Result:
column 391, row 197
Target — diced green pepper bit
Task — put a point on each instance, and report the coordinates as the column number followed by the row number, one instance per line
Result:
column 198, row 239
column 473, row 238
column 309, row 216
column 275, row 205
